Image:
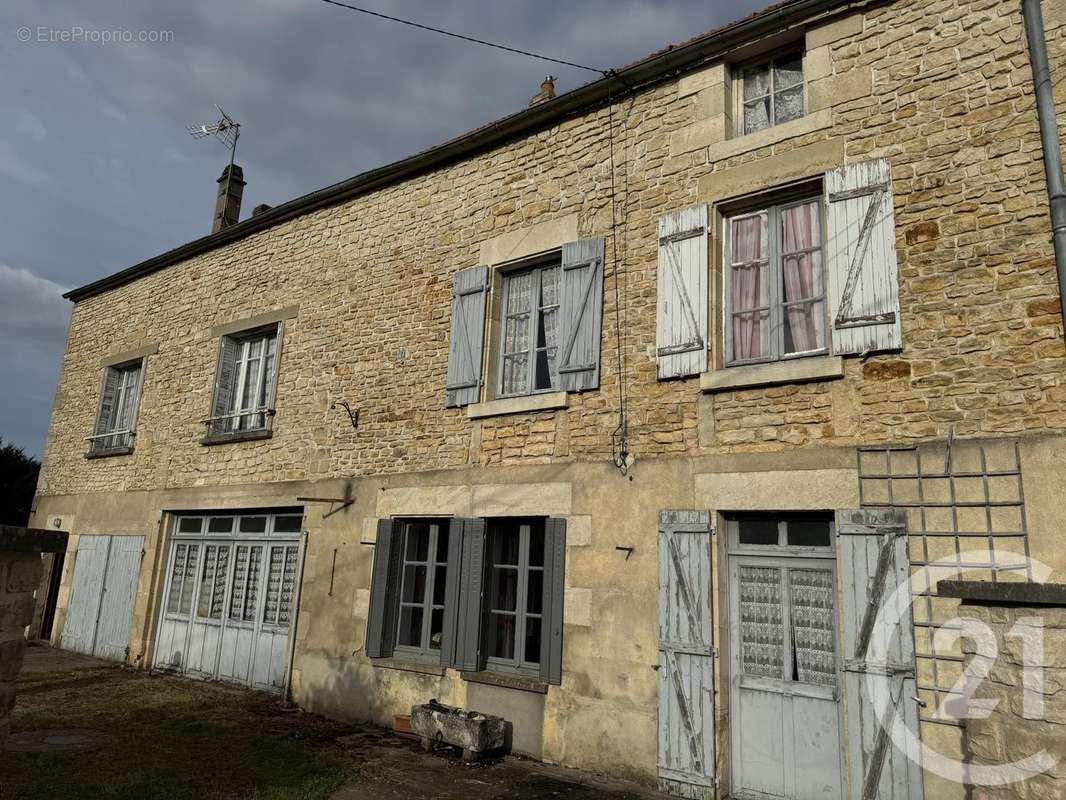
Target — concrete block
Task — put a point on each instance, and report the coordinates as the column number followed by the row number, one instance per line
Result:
column 834, row 31
column 697, row 81
column 803, row 126
column 813, row 489
column 802, row 162
column 838, row 89
column 516, row 500
column 361, row 608
column 714, row 101
column 699, row 134
column 24, row 573
column 817, row 64
column 578, row 531
column 424, row 500
column 529, row 240
column 577, row 607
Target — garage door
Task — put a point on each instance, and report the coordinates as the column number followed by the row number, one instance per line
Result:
column 229, row 598
column 106, row 571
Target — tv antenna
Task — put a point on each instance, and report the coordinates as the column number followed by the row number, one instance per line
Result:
column 227, row 130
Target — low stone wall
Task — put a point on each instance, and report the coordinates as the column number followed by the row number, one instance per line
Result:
column 1027, row 681
column 20, row 574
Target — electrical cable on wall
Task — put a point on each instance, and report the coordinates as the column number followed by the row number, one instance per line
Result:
column 620, row 435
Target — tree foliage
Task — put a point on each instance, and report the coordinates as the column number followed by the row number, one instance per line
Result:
column 18, row 482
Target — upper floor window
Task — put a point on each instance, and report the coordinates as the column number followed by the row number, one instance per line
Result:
column 117, row 415
column 245, row 383
column 528, row 351
column 772, row 92
column 775, row 283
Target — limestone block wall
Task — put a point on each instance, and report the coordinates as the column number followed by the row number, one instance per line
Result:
column 942, row 89
column 1017, row 727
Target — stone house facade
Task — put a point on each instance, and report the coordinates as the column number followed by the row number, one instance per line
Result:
column 558, row 420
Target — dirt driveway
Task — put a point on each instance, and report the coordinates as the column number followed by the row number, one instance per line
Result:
column 85, row 728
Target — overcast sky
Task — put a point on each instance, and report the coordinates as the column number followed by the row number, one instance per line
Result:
column 97, row 171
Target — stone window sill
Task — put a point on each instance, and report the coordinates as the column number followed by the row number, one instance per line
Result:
column 116, row 451
column 518, row 405
column 243, row 436
column 506, row 681
column 409, row 666
column 747, row 142
column 799, row 370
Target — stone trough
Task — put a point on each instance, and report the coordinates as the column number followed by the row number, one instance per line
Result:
column 473, row 732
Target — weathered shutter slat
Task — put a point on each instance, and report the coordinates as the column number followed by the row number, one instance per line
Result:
column 581, row 310
column 225, row 378
column 468, row 636
column 879, row 683
column 384, row 583
column 551, row 645
column 450, row 631
column 466, row 340
column 108, row 397
column 682, row 294
column 863, row 280
column 686, row 754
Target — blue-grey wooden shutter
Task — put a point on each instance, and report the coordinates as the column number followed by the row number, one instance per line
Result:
column 551, row 642
column 860, row 252
column 225, row 381
column 384, row 584
column 682, row 294
column 581, row 310
column 879, row 687
column 108, row 397
column 453, row 580
column 467, row 336
column 469, row 610
column 686, row 755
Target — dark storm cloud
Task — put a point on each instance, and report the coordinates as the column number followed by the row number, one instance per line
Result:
column 97, row 171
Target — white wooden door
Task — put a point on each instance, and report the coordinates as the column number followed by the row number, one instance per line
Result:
column 785, row 718
column 228, row 602
column 119, row 595
column 83, row 609
column 686, row 762
column 104, row 589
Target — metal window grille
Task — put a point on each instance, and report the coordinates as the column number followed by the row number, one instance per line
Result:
column 959, row 496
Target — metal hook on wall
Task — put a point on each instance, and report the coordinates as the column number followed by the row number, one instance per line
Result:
column 352, row 415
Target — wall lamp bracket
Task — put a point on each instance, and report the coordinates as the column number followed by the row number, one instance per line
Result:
column 352, row 415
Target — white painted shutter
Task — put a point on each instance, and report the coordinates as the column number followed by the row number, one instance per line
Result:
column 467, row 337
column 861, row 258
column 879, row 681
column 581, row 310
column 681, row 326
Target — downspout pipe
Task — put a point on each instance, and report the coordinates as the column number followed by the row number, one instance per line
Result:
column 1049, row 138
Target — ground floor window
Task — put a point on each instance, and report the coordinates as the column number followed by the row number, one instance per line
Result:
column 473, row 594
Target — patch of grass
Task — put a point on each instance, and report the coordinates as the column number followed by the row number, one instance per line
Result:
column 172, row 738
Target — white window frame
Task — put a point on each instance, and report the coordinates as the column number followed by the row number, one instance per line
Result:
column 534, row 311
column 775, row 272
column 739, row 103
column 244, row 416
column 108, row 436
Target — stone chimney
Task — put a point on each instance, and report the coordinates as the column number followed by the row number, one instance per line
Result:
column 547, row 91
column 228, row 203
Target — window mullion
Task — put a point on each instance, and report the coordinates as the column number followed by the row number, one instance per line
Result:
column 777, row 327
column 531, row 353
column 427, row 601
column 521, row 600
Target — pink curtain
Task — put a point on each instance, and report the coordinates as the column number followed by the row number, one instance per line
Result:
column 803, row 277
column 748, row 286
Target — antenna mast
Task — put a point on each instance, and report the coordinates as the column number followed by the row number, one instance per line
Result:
column 227, row 130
